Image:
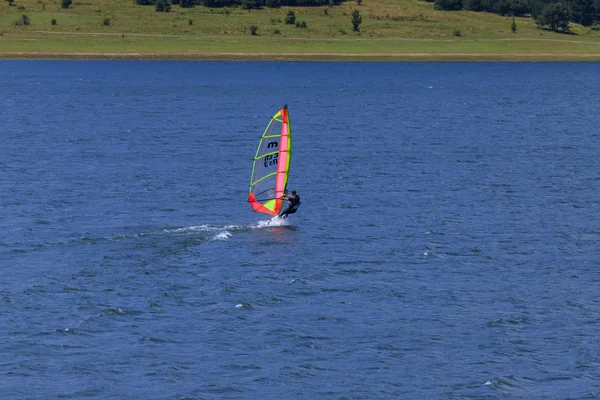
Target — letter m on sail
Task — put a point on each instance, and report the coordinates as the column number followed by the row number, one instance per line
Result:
column 272, row 144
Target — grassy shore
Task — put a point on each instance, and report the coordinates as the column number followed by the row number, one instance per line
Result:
column 391, row 30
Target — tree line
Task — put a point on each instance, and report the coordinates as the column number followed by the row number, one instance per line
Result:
column 555, row 14
column 247, row 4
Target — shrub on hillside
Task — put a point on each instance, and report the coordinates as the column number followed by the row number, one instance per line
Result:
column 290, row 18
column 24, row 20
column 163, row 6
column 356, row 20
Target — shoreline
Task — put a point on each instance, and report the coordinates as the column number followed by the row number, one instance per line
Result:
column 307, row 57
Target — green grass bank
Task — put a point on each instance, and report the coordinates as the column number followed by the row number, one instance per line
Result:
column 393, row 30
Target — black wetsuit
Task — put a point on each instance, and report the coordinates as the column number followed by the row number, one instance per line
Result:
column 292, row 207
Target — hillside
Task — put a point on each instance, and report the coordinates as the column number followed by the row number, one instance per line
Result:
column 390, row 30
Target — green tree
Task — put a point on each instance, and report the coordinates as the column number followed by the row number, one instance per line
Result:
column 66, row 3
column 502, row 7
column 273, row 3
column 520, row 8
column 163, row 6
column 536, row 7
column 251, row 4
column 474, row 5
column 448, row 5
column 356, row 20
column 290, row 18
column 556, row 16
column 186, row 3
column 585, row 12
column 513, row 26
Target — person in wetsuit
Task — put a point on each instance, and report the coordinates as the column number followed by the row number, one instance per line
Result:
column 294, row 202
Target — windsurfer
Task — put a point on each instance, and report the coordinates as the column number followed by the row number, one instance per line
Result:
column 294, row 203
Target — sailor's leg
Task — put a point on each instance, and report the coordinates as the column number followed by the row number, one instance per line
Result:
column 284, row 212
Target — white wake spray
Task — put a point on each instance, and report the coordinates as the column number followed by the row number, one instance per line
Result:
column 224, row 232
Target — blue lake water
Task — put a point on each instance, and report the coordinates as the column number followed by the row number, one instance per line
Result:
column 446, row 247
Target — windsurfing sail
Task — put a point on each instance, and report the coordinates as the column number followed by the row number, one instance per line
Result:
column 271, row 165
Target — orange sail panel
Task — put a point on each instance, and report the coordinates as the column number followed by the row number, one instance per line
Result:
column 271, row 165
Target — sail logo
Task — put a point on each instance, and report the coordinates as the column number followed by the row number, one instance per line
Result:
column 272, row 144
column 270, row 160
